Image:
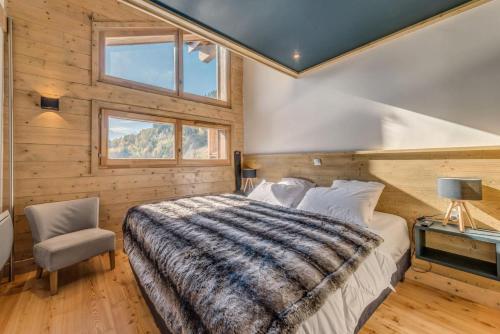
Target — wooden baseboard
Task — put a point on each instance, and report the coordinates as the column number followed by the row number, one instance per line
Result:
column 24, row 266
column 487, row 297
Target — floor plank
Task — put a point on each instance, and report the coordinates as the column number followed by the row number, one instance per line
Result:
column 418, row 309
column 90, row 299
column 93, row 299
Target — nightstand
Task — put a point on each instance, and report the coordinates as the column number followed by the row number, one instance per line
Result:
column 456, row 261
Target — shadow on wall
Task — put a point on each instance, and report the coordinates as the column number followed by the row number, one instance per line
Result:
column 437, row 87
column 490, row 206
column 399, row 202
column 449, row 71
column 325, row 133
column 410, row 179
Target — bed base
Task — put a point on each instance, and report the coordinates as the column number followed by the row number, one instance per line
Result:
column 402, row 266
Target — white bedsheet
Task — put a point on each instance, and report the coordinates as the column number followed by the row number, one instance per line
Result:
column 342, row 310
column 394, row 230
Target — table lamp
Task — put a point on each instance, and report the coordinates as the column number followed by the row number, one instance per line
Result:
column 248, row 174
column 459, row 191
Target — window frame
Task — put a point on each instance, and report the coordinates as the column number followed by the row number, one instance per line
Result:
column 105, row 162
column 132, row 29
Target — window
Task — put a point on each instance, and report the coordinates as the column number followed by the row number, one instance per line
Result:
column 204, row 68
column 144, row 58
column 131, row 139
column 134, row 139
column 165, row 61
column 204, row 142
column 138, row 140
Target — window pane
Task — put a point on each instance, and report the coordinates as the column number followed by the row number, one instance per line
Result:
column 133, row 139
column 203, row 143
column 204, row 68
column 144, row 59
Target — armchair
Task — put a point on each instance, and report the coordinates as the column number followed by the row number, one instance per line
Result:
column 65, row 233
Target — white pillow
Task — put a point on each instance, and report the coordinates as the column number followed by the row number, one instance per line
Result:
column 277, row 193
column 369, row 187
column 347, row 203
column 297, row 181
column 304, row 184
column 357, row 184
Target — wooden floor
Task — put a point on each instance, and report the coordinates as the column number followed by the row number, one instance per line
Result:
column 92, row 299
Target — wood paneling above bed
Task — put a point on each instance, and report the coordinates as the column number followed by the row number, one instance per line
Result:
column 410, row 179
column 52, row 56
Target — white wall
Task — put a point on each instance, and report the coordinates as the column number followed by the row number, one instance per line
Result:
column 437, row 87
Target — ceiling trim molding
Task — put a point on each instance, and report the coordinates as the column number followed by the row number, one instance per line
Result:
column 176, row 20
column 422, row 24
column 161, row 13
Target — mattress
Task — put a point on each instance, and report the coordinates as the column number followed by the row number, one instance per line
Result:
column 343, row 309
column 394, row 230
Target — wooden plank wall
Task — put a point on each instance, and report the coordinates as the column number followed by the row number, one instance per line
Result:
column 410, row 179
column 4, row 114
column 52, row 56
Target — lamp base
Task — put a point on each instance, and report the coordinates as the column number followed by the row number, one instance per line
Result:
column 248, row 184
column 463, row 215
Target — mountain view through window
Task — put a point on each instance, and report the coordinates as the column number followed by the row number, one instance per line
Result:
column 137, row 139
column 132, row 139
column 203, row 143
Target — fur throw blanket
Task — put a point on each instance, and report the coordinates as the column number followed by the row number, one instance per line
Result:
column 227, row 264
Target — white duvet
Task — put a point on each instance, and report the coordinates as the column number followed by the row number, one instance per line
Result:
column 342, row 310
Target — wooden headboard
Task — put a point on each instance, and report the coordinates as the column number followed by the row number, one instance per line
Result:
column 410, row 179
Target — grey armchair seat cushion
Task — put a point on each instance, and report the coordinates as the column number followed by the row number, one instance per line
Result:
column 67, row 249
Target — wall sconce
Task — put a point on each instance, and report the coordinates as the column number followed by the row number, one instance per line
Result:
column 49, row 103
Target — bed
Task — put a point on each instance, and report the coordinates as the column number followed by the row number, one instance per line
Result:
column 260, row 268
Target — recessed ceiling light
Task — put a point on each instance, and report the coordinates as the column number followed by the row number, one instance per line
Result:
column 296, row 55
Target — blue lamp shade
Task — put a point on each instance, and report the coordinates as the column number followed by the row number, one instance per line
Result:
column 49, row 103
column 249, row 173
column 461, row 189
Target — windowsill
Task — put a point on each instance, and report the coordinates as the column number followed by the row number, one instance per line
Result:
column 203, row 163
column 164, row 92
column 165, row 164
column 172, row 167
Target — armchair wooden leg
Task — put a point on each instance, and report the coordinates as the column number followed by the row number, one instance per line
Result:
column 112, row 259
column 53, row 282
column 39, row 272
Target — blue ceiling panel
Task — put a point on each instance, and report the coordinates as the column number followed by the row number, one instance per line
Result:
column 317, row 29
